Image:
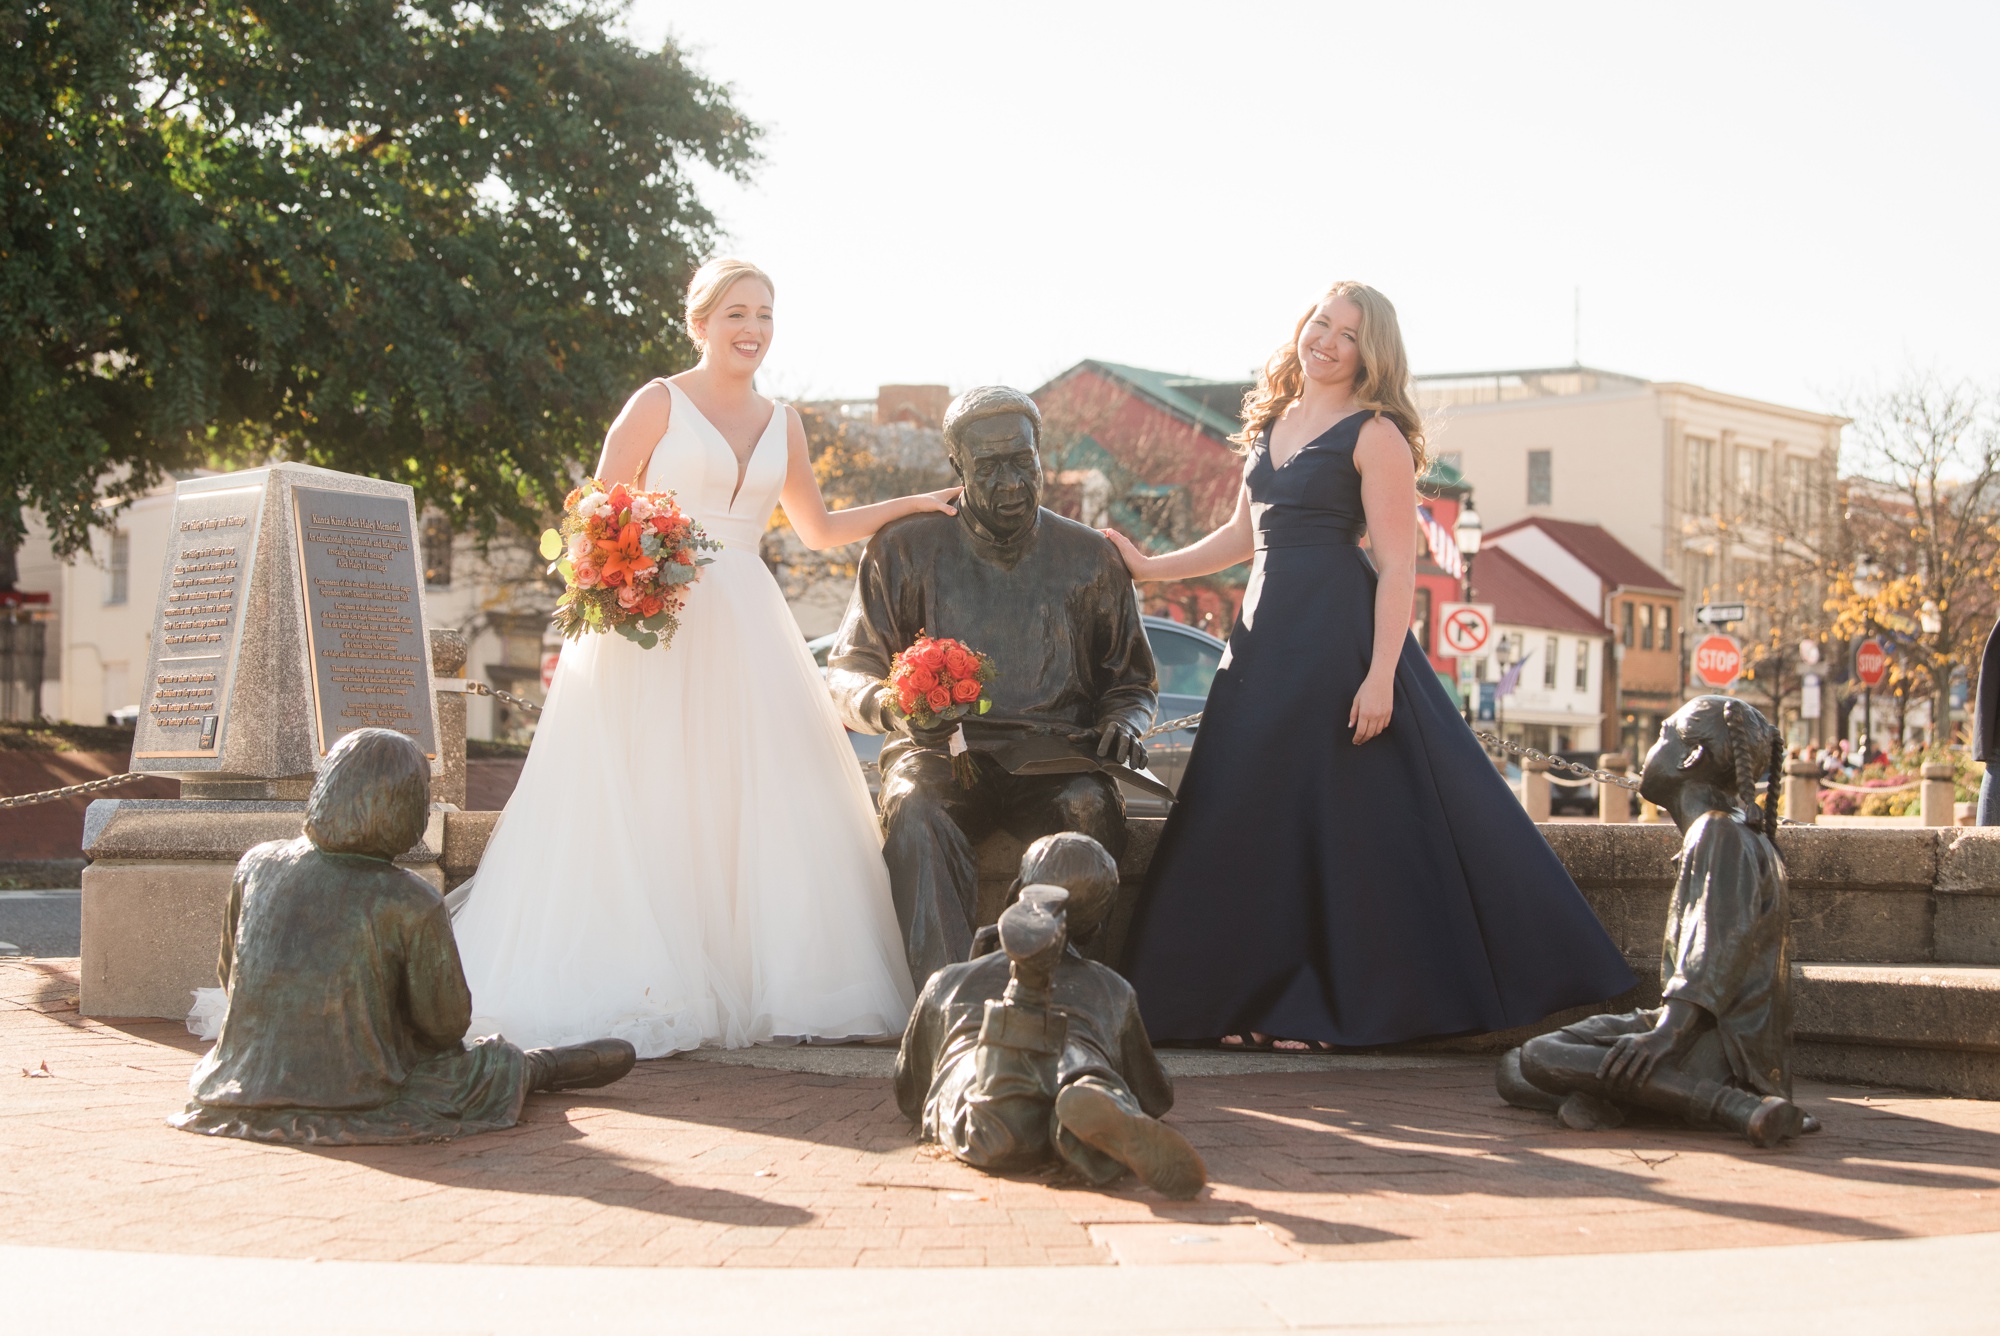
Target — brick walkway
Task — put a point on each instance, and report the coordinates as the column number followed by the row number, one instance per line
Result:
column 698, row 1163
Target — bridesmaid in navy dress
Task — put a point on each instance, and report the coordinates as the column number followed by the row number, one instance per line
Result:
column 1344, row 867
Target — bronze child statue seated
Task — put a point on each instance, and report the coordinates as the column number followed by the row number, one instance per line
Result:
column 1031, row 1053
column 347, row 1008
column 1717, row 1053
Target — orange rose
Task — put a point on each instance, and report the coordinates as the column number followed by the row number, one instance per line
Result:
column 907, row 699
column 965, row 691
column 959, row 663
column 939, row 698
column 651, row 607
column 931, row 657
column 923, row 679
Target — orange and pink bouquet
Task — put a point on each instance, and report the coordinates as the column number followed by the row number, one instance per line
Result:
column 937, row 682
column 627, row 558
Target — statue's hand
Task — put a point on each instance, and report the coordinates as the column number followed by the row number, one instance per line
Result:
column 936, row 738
column 1632, row 1059
column 1118, row 743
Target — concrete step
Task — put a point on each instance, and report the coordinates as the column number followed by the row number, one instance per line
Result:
column 1917, row 1027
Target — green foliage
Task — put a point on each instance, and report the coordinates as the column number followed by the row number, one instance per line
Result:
column 423, row 240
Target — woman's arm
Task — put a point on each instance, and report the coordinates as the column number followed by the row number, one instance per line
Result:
column 1227, row 546
column 638, row 428
column 1389, row 499
column 819, row 528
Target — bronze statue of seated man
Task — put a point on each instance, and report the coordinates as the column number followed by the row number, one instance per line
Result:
column 347, row 1007
column 1051, row 603
column 1717, row 1052
column 1031, row 1053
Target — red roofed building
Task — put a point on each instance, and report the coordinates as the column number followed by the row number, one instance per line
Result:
column 1557, row 699
column 1638, row 605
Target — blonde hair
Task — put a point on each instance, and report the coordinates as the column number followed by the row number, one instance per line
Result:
column 1383, row 385
column 711, row 283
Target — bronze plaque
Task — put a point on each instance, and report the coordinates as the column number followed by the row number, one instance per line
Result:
column 199, row 623
column 364, row 617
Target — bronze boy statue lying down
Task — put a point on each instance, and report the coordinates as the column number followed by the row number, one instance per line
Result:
column 1717, row 1053
column 1031, row 1053
column 347, row 1006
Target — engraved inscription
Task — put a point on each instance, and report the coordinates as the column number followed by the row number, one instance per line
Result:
column 208, row 565
column 357, row 556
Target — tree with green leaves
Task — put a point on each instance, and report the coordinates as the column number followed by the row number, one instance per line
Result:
column 425, row 240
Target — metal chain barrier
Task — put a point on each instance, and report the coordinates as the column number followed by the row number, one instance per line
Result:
column 473, row 688
column 1582, row 772
column 73, row 791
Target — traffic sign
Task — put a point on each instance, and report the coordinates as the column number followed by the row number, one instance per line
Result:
column 550, row 658
column 1719, row 614
column 1718, row 660
column 1465, row 628
column 1871, row 662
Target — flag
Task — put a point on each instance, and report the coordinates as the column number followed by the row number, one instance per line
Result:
column 1511, row 678
column 1444, row 550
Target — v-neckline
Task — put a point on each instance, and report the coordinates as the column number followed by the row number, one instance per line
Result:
column 742, row 463
column 1292, row 458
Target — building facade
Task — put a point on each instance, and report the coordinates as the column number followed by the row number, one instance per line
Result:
column 1707, row 488
column 1635, row 604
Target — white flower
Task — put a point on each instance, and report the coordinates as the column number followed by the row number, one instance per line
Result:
column 597, row 503
column 642, row 509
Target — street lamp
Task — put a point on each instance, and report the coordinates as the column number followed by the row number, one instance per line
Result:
column 1867, row 583
column 1467, row 533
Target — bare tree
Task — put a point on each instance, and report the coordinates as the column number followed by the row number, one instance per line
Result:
column 1923, row 460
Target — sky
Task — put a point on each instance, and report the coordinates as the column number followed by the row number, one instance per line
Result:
column 1790, row 202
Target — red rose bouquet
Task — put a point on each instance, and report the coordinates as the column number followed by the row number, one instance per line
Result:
column 627, row 558
column 937, row 682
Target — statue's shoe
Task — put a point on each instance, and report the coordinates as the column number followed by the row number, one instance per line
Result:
column 1160, row 1156
column 580, row 1066
column 1776, row 1120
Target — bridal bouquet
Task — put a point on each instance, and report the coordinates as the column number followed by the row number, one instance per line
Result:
column 937, row 681
column 627, row 558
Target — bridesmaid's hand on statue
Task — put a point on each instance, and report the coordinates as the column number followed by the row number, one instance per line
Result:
column 1370, row 712
column 940, row 500
column 1137, row 563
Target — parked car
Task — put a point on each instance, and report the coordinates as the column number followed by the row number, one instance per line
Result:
column 1574, row 799
column 1186, row 660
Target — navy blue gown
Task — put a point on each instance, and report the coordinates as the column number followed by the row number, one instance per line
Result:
column 1308, row 888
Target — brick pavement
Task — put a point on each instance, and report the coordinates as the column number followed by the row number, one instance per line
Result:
column 691, row 1163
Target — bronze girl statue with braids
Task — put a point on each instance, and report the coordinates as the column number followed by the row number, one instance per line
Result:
column 1717, row 1052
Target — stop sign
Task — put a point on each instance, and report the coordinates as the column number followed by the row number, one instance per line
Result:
column 1871, row 662
column 1718, row 660
column 550, row 659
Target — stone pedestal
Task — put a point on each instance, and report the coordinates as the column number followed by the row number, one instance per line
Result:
column 1802, row 791
column 158, row 886
column 1939, row 793
column 1535, row 789
column 448, row 676
column 1614, row 802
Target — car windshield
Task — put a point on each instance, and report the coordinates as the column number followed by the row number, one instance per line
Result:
column 1186, row 665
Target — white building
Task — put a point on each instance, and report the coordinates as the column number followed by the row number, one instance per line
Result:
column 1556, row 702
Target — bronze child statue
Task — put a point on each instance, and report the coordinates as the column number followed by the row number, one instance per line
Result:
column 1031, row 1053
column 1717, row 1053
column 347, row 1007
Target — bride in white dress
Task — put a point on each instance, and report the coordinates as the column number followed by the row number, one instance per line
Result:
column 691, row 856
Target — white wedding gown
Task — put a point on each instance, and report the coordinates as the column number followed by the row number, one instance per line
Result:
column 690, row 857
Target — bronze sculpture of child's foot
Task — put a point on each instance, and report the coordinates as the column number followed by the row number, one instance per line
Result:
column 1160, row 1157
